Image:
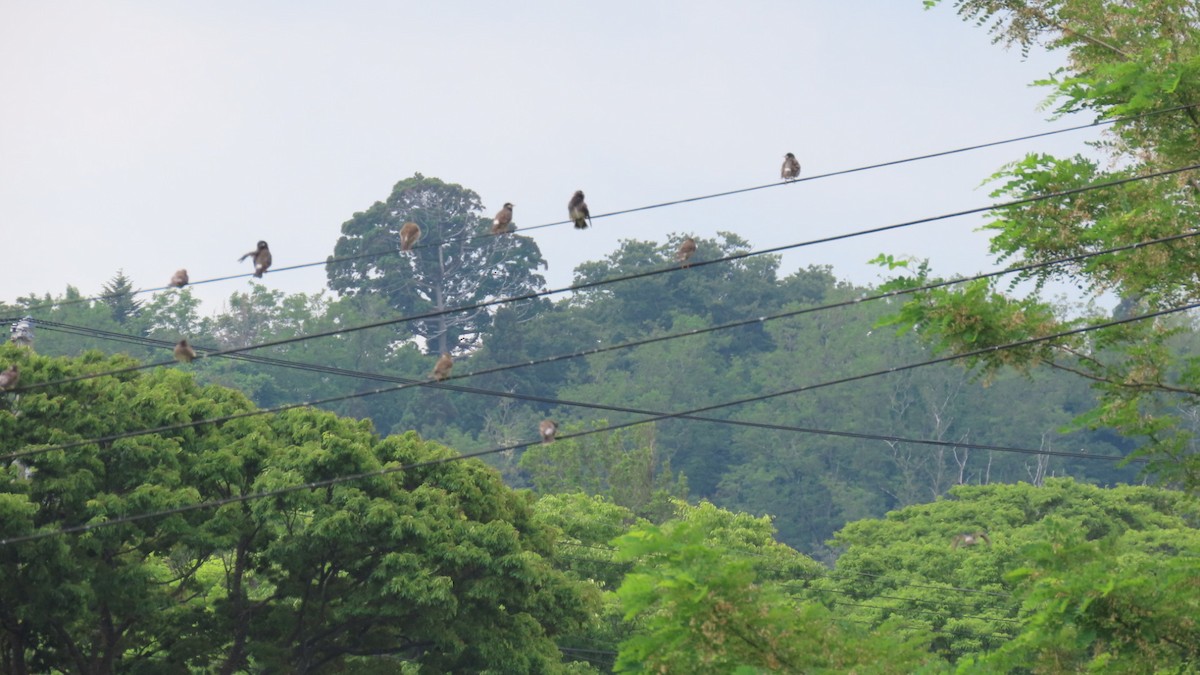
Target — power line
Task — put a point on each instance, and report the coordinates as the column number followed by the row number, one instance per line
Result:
column 634, row 343
column 598, row 350
column 628, row 277
column 845, row 380
column 887, row 438
column 329, row 482
column 842, row 172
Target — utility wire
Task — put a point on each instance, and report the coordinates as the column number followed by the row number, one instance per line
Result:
column 565, row 402
column 629, row 277
column 362, row 394
column 329, row 482
column 842, row 172
column 597, row 350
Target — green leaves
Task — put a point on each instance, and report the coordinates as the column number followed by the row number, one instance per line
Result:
column 442, row 564
column 1061, row 554
column 456, row 263
column 1114, row 603
column 1124, row 59
column 700, row 606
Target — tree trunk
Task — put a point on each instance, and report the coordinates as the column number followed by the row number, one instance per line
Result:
column 236, row 658
column 440, row 300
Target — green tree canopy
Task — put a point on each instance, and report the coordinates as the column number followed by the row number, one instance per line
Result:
column 906, row 566
column 1139, row 59
column 457, row 262
column 439, row 565
column 700, row 604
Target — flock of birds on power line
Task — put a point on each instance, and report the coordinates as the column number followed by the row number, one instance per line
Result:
column 410, row 234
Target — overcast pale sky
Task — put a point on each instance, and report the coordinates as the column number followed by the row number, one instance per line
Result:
column 151, row 136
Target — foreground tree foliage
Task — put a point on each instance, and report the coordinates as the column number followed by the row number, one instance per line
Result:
column 1073, row 571
column 439, row 565
column 812, row 483
column 1127, row 603
column 703, row 604
column 1123, row 59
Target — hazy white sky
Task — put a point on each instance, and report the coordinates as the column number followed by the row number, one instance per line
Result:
column 152, row 136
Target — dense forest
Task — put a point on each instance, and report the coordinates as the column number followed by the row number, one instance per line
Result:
column 811, row 483
column 754, row 471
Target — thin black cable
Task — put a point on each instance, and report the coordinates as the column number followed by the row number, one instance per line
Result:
column 334, row 399
column 661, row 338
column 889, row 294
column 842, row 172
column 547, row 400
column 588, row 651
column 553, row 401
column 329, row 482
column 629, row 277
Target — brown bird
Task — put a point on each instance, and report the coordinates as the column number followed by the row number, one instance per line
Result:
column 687, row 248
column 548, row 428
column 791, row 167
column 578, row 210
column 442, row 370
column 184, row 352
column 262, row 258
column 179, row 279
column 9, row 378
column 502, row 223
column 409, row 234
column 970, row 539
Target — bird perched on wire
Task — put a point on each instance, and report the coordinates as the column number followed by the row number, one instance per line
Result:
column 791, row 167
column 687, row 248
column 502, row 223
column 410, row 233
column 578, row 211
column 262, row 258
column 184, row 352
column 442, row 369
column 969, row 539
column 547, row 429
column 180, row 278
column 10, row 377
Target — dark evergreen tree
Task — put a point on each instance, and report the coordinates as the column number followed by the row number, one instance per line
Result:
column 118, row 295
